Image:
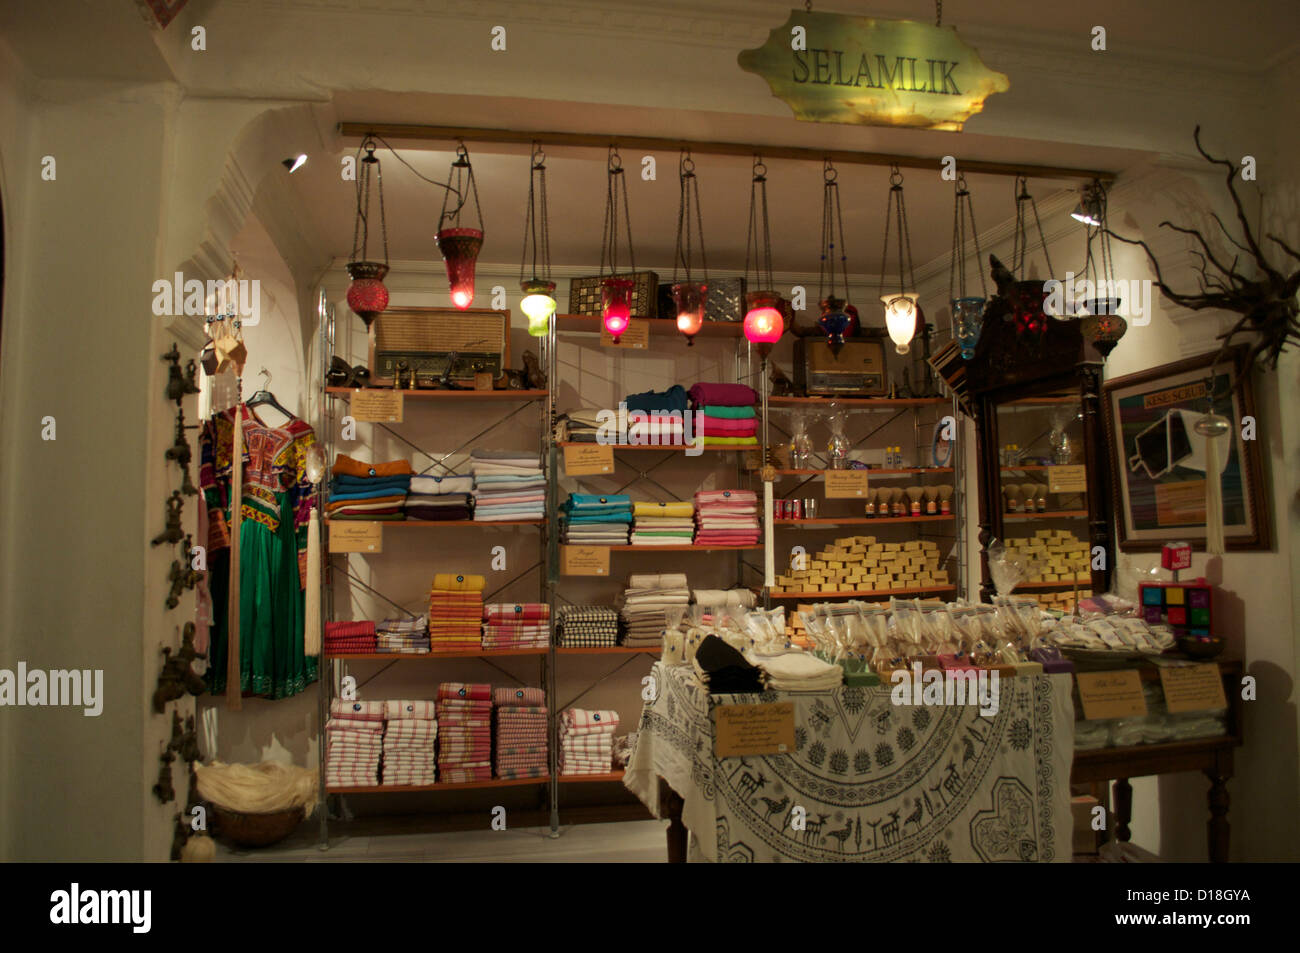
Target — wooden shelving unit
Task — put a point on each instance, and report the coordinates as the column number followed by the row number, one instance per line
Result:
column 606, row 650
column 417, row 788
column 871, row 471
column 1050, row 514
column 862, row 520
column 449, row 395
column 859, row 593
column 884, row 403
column 433, row 656
column 590, row 778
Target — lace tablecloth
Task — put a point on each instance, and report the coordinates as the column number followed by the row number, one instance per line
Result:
column 875, row 781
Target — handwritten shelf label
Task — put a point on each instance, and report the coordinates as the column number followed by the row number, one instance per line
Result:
column 378, row 406
column 588, row 459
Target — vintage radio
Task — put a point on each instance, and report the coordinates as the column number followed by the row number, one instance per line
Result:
column 857, row 371
column 425, row 340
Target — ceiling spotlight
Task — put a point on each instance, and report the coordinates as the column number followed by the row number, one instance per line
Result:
column 293, row 165
column 1088, row 211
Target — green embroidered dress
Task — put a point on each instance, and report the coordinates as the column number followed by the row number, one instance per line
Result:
column 277, row 502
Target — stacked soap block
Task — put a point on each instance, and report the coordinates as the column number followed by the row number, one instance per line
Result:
column 1055, row 555
column 860, row 563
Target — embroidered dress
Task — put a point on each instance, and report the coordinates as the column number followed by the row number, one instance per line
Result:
column 277, row 501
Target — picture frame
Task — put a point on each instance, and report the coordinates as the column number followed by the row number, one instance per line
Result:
column 1158, row 460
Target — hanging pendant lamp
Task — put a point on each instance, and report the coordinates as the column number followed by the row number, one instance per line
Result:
column 459, row 243
column 967, row 310
column 616, row 289
column 1099, row 317
column 539, row 290
column 689, row 297
column 367, row 296
column 1028, row 297
column 764, row 308
column 902, row 313
column 835, row 321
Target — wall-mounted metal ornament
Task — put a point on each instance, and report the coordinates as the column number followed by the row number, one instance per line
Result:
column 189, row 750
column 178, row 383
column 173, row 533
column 176, row 677
column 163, row 790
column 180, row 834
column 181, row 452
column 874, row 71
column 535, row 377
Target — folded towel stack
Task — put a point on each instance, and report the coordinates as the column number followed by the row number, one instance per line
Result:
column 508, row 485
column 579, row 426
column 726, row 518
column 587, row 627
column 464, row 732
column 404, row 636
column 354, row 741
column 456, row 612
column 410, row 730
column 587, row 741
column 516, row 625
column 662, row 524
column 520, row 732
column 349, row 638
column 669, row 402
column 440, row 498
column 800, row 672
column 729, row 419
column 591, row 520
column 368, row 491
column 710, row 599
column 647, row 603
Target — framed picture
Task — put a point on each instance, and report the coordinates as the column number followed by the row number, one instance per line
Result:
column 1158, row 460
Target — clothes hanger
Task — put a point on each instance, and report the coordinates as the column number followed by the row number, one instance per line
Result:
column 264, row 396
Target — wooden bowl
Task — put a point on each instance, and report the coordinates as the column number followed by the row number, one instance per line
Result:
column 257, row 830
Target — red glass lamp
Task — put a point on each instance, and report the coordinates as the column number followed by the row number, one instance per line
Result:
column 460, row 248
column 764, row 324
column 367, row 296
column 616, row 301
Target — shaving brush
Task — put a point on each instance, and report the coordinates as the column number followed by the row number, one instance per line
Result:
column 944, row 491
column 1012, row 492
column 1040, row 497
column 914, row 494
column 928, row 494
column 1027, row 491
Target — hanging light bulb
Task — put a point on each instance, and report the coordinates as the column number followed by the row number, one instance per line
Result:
column 616, row 304
column 538, row 305
column 900, row 318
column 689, row 299
column 460, row 245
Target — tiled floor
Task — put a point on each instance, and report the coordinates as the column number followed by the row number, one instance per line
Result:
column 622, row 842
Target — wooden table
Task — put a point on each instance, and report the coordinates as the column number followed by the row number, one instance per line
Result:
column 1211, row 756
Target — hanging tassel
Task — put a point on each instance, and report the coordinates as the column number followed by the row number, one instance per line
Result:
column 311, row 633
column 234, row 694
column 769, row 538
column 1214, row 543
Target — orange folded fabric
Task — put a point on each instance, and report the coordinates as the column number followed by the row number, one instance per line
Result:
column 347, row 466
